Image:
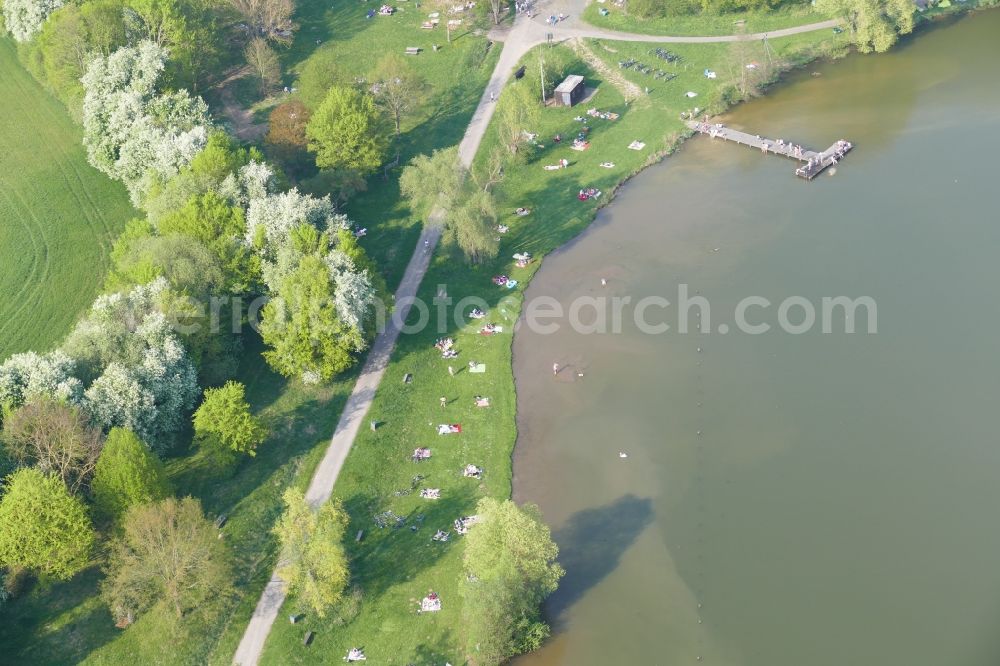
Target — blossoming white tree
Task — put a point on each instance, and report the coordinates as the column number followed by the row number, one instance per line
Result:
column 271, row 218
column 30, row 375
column 132, row 132
column 24, row 18
column 143, row 379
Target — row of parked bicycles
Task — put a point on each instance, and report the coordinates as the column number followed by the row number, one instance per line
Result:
column 666, row 55
column 637, row 66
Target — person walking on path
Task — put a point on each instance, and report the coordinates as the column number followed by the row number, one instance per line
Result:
column 555, row 368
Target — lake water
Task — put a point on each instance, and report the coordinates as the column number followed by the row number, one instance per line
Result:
column 840, row 504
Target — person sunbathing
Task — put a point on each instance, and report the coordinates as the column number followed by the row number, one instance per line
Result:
column 449, row 353
column 503, row 228
column 449, row 429
column 440, row 535
column 471, row 471
column 431, row 493
column 355, row 654
column 521, row 212
column 421, row 454
column 477, row 313
column 608, row 165
column 481, row 401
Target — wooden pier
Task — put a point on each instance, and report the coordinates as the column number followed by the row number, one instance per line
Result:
column 813, row 163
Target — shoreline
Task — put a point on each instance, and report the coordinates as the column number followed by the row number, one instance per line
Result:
column 676, row 142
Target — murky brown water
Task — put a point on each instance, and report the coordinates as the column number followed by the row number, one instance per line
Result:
column 840, row 504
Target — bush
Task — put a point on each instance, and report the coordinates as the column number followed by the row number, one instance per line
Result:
column 43, row 527
column 127, row 474
column 224, row 426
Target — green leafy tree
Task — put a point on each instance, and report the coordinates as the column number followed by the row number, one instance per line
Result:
column 224, row 425
column 348, row 131
column 187, row 28
column 510, row 568
column 432, row 180
column 219, row 226
column 61, row 51
column 471, row 224
column 196, row 277
column 875, row 24
column 127, row 474
column 313, row 560
column 301, row 325
column 43, row 527
column 168, row 554
column 517, row 114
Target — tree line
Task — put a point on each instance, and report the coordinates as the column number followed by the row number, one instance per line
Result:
column 85, row 425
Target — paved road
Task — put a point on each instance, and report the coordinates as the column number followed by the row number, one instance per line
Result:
column 518, row 40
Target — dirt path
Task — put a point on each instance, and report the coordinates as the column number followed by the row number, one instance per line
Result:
column 239, row 118
column 629, row 90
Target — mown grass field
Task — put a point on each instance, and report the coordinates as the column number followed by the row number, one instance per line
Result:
column 58, row 215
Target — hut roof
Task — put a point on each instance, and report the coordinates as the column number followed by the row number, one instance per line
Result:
column 571, row 82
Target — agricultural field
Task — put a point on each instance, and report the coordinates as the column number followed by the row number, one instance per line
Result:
column 58, row 215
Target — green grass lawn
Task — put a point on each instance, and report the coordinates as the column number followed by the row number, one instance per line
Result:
column 58, row 215
column 395, row 568
column 703, row 24
column 455, row 76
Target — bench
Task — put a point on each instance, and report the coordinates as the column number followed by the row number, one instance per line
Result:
column 361, row 534
column 307, row 639
column 412, row 50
